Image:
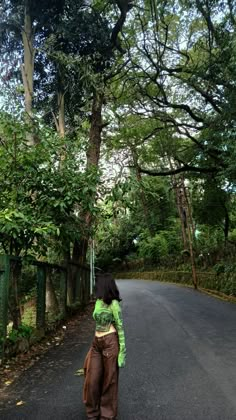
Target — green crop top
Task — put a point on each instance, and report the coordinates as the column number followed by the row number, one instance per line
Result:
column 105, row 315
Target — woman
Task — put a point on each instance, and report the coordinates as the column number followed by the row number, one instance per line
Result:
column 107, row 353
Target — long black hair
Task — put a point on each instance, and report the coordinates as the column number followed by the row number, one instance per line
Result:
column 106, row 288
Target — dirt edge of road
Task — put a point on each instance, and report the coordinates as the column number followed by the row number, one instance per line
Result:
column 11, row 369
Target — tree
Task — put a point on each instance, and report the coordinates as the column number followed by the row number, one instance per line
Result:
column 38, row 196
column 182, row 82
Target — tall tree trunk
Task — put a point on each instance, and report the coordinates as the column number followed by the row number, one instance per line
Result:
column 59, row 119
column 60, row 122
column 142, row 194
column 61, row 130
column 190, row 230
column 61, row 113
column 93, row 154
column 52, row 306
column 182, row 217
column 185, row 213
column 27, row 68
column 179, row 205
column 14, row 306
column 193, row 265
column 71, row 279
column 189, row 205
column 27, row 72
column 226, row 224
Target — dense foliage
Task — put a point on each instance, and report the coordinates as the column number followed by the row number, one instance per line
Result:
column 123, row 134
column 39, row 191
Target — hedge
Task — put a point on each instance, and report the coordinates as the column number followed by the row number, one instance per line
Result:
column 224, row 283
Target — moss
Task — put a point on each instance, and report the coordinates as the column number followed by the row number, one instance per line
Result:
column 29, row 316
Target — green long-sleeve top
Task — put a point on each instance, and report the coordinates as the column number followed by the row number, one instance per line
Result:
column 105, row 315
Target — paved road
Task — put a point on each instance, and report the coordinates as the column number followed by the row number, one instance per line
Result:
column 181, row 362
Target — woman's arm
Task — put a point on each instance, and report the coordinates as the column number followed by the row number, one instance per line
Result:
column 117, row 313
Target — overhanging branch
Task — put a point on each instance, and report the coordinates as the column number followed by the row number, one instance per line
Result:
column 184, row 168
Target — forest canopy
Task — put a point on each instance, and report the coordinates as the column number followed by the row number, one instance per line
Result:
column 118, row 124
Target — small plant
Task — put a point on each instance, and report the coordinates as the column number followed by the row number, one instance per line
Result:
column 24, row 331
column 219, row 268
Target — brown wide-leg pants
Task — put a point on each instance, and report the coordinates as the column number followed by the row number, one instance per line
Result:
column 100, row 392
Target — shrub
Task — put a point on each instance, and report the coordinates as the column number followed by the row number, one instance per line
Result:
column 24, row 331
column 153, row 248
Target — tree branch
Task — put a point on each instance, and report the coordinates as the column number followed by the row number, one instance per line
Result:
column 184, row 168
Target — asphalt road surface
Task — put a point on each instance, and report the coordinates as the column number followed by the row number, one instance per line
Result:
column 181, row 361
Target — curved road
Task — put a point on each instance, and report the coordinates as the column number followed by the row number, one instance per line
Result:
column 181, row 361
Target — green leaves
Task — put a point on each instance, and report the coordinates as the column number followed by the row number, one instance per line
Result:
column 44, row 190
column 153, row 248
column 23, row 331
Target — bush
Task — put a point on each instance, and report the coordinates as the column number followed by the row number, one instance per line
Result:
column 24, row 331
column 153, row 248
